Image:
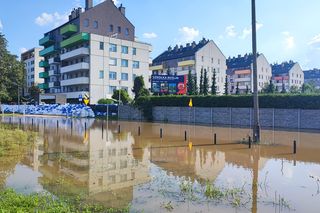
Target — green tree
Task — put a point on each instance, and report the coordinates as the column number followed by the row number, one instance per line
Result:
column 34, row 92
column 11, row 73
column 190, row 84
column 195, row 85
column 247, row 89
column 201, row 82
column 226, row 85
column 269, row 88
column 205, row 83
column 294, row 89
column 237, row 89
column 214, row 83
column 144, row 92
column 308, row 88
column 138, row 86
column 283, row 88
column 124, row 96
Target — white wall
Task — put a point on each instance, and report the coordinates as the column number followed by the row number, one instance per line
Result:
column 296, row 76
column 213, row 58
column 99, row 60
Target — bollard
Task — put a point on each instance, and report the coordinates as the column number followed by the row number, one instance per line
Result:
column 249, row 142
column 32, row 123
column 119, row 129
column 85, row 126
column 139, row 131
column 102, row 128
column 19, row 123
column 71, row 125
column 215, row 139
column 294, row 147
column 44, row 124
column 57, row 125
column 185, row 135
column 160, row 132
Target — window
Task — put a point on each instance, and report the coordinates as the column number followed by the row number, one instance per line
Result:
column 124, row 63
column 112, row 89
column 86, row 23
column 134, row 51
column 124, row 76
column 113, row 47
column 113, row 61
column 127, row 32
column 111, row 28
column 212, row 60
column 119, row 29
column 136, row 65
column 95, row 24
column 101, row 45
column 202, row 58
column 125, row 88
column 101, row 74
column 112, row 75
column 124, row 49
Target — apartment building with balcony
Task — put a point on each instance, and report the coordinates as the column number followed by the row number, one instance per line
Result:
column 94, row 53
column 195, row 57
column 240, row 73
column 312, row 77
column 287, row 75
column 33, row 67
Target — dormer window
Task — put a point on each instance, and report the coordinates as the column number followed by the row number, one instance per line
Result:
column 127, row 31
column 95, row 24
column 111, row 28
column 86, row 23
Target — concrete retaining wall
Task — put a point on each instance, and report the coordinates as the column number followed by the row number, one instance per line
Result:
column 242, row 117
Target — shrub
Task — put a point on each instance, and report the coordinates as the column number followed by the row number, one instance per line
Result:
column 105, row 101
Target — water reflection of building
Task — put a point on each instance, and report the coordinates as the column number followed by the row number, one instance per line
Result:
column 101, row 169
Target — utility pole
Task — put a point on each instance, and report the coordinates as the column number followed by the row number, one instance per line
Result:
column 256, row 125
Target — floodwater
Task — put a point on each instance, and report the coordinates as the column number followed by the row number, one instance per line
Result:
column 91, row 159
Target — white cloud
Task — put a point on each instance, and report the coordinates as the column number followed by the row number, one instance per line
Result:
column 231, row 31
column 116, row 2
column 54, row 18
column 188, row 34
column 289, row 41
column 149, row 35
column 23, row 49
column 248, row 30
column 1, row 26
column 315, row 41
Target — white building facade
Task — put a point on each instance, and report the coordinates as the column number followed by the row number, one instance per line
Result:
column 31, row 60
column 287, row 75
column 204, row 55
column 240, row 73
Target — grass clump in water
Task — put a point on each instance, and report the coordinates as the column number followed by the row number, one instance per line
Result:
column 10, row 201
column 213, row 192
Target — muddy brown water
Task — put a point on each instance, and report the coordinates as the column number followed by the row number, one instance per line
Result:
column 91, row 159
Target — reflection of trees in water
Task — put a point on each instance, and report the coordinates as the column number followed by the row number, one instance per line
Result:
column 14, row 144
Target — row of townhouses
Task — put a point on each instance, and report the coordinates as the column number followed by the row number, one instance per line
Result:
column 96, row 52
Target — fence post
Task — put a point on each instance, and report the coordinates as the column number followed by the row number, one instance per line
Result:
column 160, row 132
column 249, row 142
column 294, row 147
column 215, row 139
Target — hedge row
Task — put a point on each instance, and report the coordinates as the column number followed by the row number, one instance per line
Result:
column 280, row 101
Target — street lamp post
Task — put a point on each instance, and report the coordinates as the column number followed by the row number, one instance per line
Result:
column 256, row 125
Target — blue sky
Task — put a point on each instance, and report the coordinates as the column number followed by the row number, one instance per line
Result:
column 288, row 29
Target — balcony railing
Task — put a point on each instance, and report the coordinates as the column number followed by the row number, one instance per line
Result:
column 74, row 40
column 43, row 64
column 75, row 67
column 75, row 81
column 43, row 86
column 75, row 53
column 43, row 75
column 69, row 29
column 48, row 51
column 45, row 41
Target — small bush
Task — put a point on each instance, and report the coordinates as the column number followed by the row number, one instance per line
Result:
column 105, row 101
